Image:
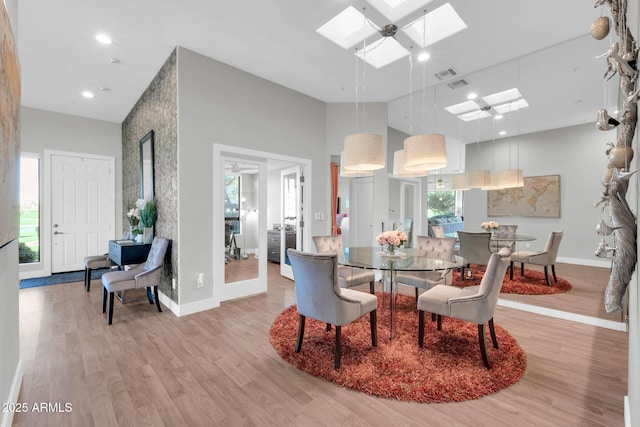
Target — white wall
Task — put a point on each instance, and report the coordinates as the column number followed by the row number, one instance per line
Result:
column 42, row 130
column 577, row 155
column 221, row 104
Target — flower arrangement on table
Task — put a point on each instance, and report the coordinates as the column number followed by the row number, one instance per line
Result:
column 490, row 226
column 392, row 240
column 142, row 214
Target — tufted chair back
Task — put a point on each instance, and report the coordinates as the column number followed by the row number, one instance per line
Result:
column 435, row 247
column 474, row 247
column 328, row 244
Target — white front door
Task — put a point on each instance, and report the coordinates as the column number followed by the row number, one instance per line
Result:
column 82, row 209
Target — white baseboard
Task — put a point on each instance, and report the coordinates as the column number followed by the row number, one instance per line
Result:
column 573, row 317
column 597, row 262
column 627, row 412
column 14, row 392
column 186, row 309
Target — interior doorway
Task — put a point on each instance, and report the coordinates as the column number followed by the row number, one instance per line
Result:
column 268, row 211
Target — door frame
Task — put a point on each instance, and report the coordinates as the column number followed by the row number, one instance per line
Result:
column 46, row 214
column 222, row 291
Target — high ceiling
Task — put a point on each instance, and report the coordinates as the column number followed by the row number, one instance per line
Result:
column 541, row 47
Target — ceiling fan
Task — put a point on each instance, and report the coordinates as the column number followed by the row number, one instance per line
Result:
column 236, row 168
column 351, row 27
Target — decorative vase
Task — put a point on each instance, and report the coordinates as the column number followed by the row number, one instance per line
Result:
column 148, row 234
column 391, row 249
column 139, row 238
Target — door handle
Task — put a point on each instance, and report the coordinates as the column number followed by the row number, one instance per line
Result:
column 58, row 232
column 55, row 225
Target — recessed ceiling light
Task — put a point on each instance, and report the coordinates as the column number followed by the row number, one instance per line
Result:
column 503, row 132
column 472, row 95
column 103, row 38
column 498, row 116
column 424, row 56
column 88, row 94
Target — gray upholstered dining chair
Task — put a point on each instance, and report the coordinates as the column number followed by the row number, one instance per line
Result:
column 473, row 304
column 431, row 247
column 91, row 263
column 319, row 296
column 438, row 231
column 145, row 275
column 545, row 258
column 505, row 237
column 348, row 276
column 474, row 248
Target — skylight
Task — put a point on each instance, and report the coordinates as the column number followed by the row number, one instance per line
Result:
column 511, row 106
column 395, row 10
column 502, row 97
column 440, row 23
column 494, row 105
column 347, row 29
column 383, row 52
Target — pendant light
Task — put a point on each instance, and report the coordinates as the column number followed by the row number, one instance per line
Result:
column 363, row 151
column 350, row 173
column 425, row 152
column 400, row 171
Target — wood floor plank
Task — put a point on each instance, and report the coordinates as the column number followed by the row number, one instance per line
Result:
column 218, row 368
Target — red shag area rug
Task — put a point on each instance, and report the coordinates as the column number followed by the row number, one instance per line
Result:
column 532, row 283
column 448, row 368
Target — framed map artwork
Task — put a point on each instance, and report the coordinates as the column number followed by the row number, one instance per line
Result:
column 540, row 197
column 9, row 131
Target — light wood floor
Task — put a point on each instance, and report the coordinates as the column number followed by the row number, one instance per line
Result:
column 218, row 368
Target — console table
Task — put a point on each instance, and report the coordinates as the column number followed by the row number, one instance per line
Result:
column 125, row 252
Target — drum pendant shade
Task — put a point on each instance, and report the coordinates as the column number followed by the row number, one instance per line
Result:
column 398, row 167
column 363, row 152
column 425, row 152
column 348, row 173
column 459, row 182
column 479, row 179
column 510, row 178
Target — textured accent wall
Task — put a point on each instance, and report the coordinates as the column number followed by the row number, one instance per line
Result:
column 156, row 109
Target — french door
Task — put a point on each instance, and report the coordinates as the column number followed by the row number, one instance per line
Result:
column 292, row 202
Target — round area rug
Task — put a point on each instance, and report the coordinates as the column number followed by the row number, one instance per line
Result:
column 532, row 283
column 448, row 368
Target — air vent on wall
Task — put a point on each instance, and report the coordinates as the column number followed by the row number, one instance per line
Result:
column 458, row 84
column 449, row 72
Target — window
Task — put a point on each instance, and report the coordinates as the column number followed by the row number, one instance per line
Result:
column 29, row 238
column 442, row 203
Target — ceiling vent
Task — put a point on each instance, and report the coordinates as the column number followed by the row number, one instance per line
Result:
column 458, row 84
column 449, row 72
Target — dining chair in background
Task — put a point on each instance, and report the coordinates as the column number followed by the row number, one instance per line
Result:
column 473, row 304
column 545, row 258
column 474, row 248
column 319, row 296
column 504, row 237
column 430, row 247
column 348, row 276
column 145, row 275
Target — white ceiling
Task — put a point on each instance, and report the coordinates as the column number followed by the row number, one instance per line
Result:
column 556, row 73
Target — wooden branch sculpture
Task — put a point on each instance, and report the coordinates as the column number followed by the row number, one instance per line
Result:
column 622, row 59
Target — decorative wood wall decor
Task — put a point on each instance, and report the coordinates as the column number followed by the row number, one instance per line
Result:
column 622, row 59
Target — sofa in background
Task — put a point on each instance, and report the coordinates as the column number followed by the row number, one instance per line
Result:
column 449, row 224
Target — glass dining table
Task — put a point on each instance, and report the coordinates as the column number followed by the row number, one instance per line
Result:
column 407, row 259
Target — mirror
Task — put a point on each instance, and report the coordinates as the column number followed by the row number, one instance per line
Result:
column 241, row 220
column 147, row 166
